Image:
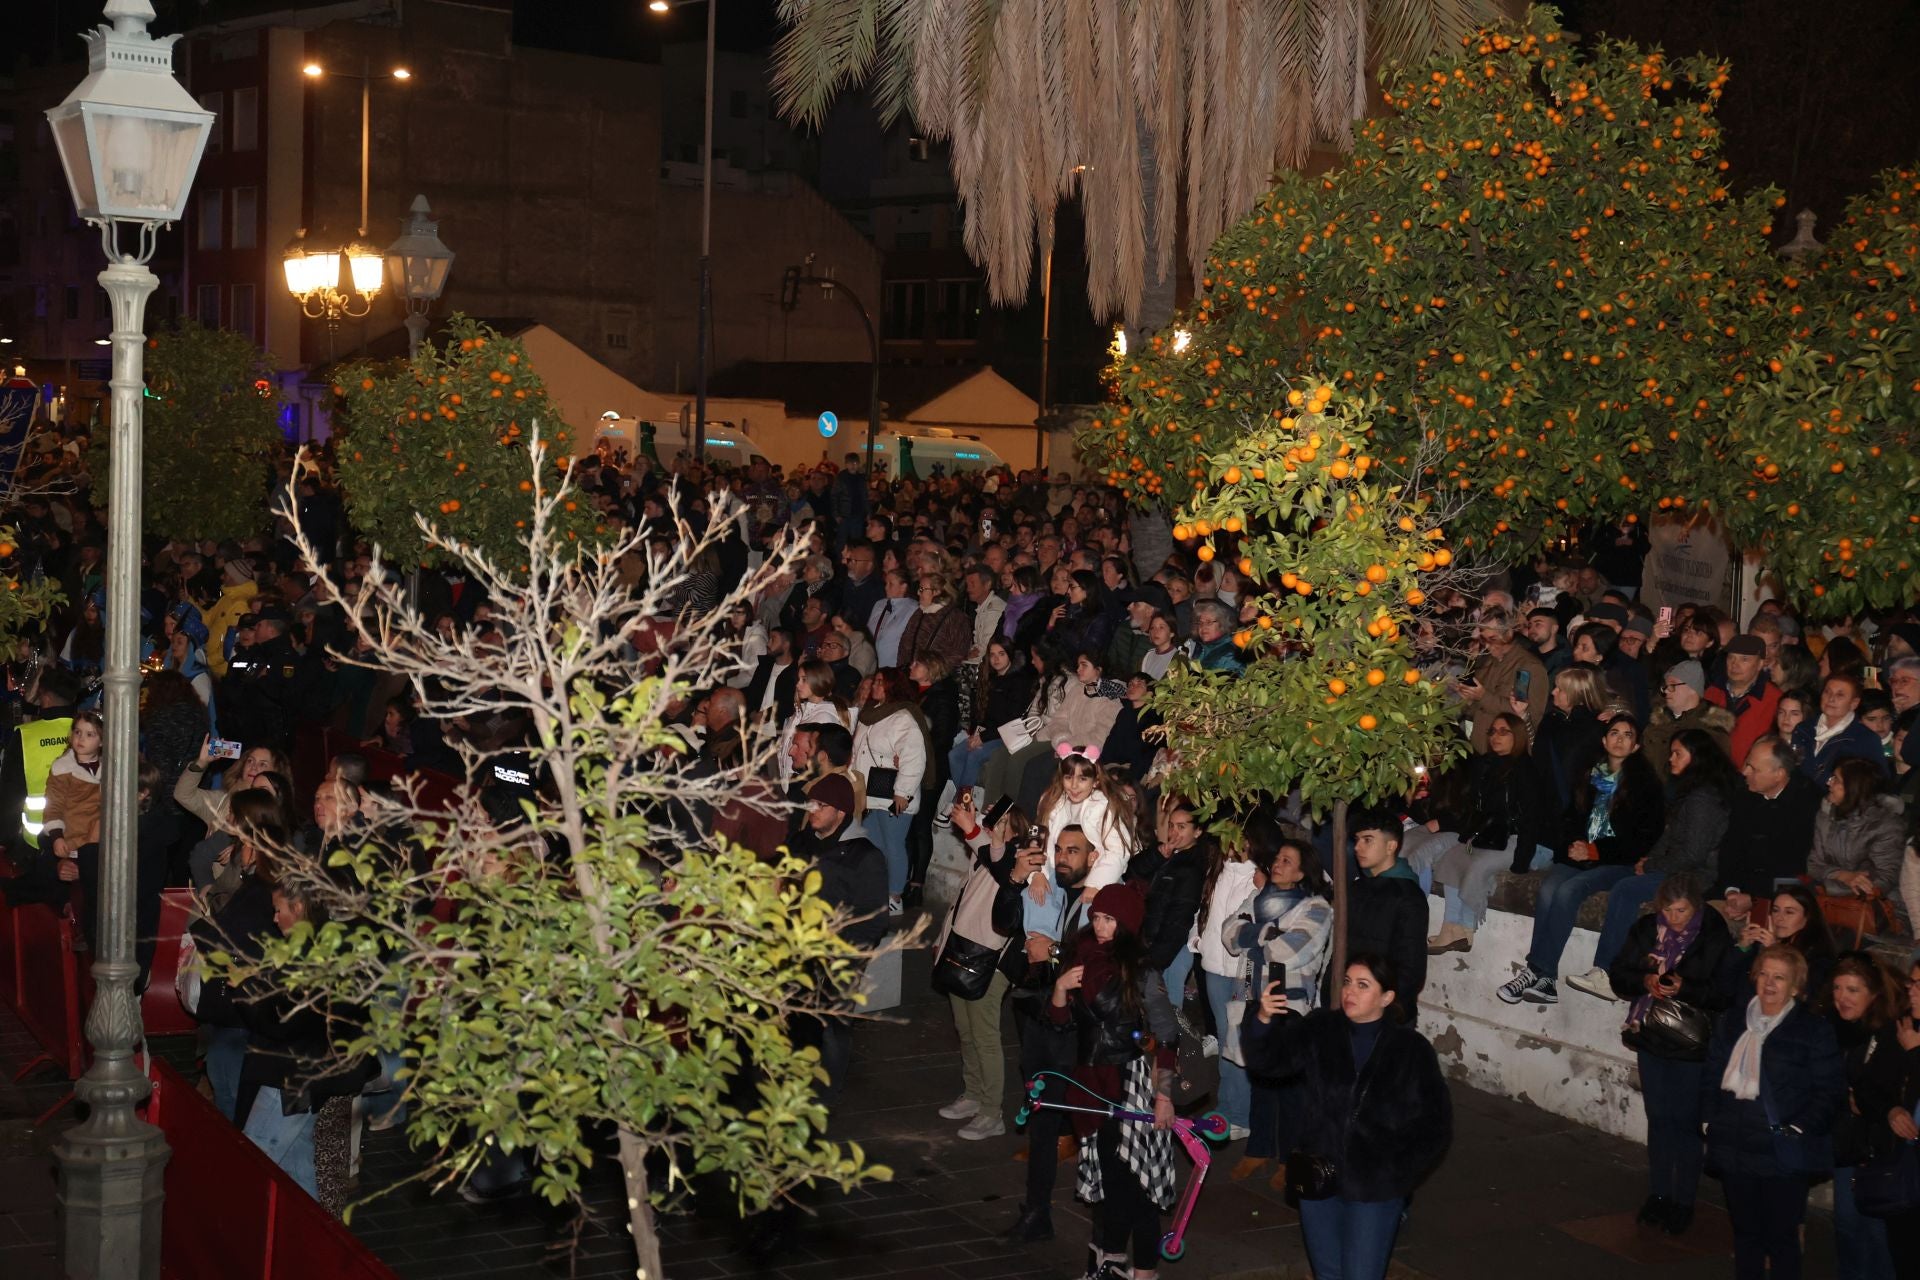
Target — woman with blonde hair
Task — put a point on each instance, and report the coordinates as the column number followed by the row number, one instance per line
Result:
column 1570, row 731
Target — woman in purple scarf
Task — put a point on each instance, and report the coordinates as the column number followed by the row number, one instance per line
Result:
column 1680, row 952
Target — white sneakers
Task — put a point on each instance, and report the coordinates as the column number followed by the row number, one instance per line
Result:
column 1595, row 983
column 961, row 1108
column 984, row 1125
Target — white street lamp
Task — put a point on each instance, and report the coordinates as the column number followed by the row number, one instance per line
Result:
column 130, row 138
column 417, row 266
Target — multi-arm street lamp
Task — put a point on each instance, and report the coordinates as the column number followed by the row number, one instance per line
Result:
column 130, row 138
column 313, row 268
column 417, row 266
column 705, row 306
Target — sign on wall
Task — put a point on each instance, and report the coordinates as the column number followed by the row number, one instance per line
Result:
column 1689, row 562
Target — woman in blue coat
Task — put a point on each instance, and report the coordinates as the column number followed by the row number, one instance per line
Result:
column 1773, row 1090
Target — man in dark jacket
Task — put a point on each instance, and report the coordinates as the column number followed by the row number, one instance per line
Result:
column 1386, row 911
column 1770, row 832
column 853, row 875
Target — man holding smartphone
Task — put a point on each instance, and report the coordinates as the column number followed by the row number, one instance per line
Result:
column 1055, row 915
column 1493, row 683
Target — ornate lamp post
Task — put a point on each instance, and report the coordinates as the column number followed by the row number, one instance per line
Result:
column 417, row 266
column 314, row 276
column 130, row 138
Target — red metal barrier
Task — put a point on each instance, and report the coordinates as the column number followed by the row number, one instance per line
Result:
column 42, row 982
column 231, row 1213
column 160, row 1011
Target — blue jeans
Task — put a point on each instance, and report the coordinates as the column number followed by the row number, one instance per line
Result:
column 1561, row 893
column 1624, row 901
column 226, row 1049
column 1670, row 1091
column 1236, row 1095
column 1175, row 976
column 287, row 1140
column 1350, row 1239
column 964, row 763
column 889, row 831
column 1859, row 1242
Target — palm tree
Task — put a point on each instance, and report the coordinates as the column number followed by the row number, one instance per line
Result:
column 1142, row 106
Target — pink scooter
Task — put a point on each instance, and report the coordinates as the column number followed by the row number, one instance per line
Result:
column 1194, row 1135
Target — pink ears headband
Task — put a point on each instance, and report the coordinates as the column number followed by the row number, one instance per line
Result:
column 1066, row 749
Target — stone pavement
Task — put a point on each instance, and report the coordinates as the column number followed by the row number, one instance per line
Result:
column 1521, row 1189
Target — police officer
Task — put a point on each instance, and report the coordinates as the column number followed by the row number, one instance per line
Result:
column 261, row 693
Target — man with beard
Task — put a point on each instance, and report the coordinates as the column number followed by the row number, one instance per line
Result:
column 1054, row 915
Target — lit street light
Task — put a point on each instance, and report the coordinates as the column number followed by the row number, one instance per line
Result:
column 313, row 269
column 130, row 139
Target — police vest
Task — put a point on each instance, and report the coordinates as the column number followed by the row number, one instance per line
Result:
column 41, row 742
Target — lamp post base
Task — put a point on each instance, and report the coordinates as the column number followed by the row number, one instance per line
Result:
column 110, row 1192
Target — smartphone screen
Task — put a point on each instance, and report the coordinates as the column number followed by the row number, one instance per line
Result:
column 1278, row 972
column 1666, row 615
column 998, row 812
column 1522, row 684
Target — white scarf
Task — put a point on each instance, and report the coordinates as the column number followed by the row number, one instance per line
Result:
column 1742, row 1077
column 1824, row 733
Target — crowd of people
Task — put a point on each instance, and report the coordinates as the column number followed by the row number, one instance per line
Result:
column 972, row 659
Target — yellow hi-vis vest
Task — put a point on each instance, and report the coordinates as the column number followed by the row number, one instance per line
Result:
column 41, row 742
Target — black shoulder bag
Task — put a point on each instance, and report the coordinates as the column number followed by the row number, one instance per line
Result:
column 1316, row 1177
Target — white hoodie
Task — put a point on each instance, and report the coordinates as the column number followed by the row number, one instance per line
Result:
column 1111, row 848
column 1229, row 891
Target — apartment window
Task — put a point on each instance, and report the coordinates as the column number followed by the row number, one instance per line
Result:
column 619, row 329
column 246, row 119
column 246, row 218
column 906, row 316
column 242, row 314
column 959, row 310
column 73, row 302
column 208, row 223
column 207, row 305
column 216, row 103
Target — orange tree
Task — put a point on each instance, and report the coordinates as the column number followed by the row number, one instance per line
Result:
column 1818, row 468
column 445, row 436
column 1536, row 264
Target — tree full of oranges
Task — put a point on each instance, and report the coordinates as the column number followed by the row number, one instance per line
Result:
column 1339, row 699
column 445, row 435
column 1535, row 264
column 1818, row 467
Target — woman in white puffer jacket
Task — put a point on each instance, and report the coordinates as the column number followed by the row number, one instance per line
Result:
column 1230, row 880
column 890, row 751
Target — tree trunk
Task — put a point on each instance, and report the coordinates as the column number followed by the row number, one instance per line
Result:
column 646, row 1239
column 1339, row 864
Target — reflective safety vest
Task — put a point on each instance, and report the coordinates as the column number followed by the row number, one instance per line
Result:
column 41, row 742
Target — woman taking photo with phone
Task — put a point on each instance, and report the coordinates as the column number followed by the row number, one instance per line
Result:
column 1377, row 1117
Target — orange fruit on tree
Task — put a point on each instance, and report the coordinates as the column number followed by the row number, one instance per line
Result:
column 1181, row 533
column 1232, row 476
column 1363, row 588
column 1376, row 573
column 1336, row 686
column 1266, row 622
column 1242, row 639
column 1406, row 524
column 1368, row 723
column 1246, row 566
column 1410, row 676
column 1233, row 524
column 1376, row 677
column 1206, row 551
column 1442, row 557
column 1416, row 597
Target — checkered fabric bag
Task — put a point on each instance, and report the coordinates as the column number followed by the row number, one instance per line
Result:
column 1148, row 1151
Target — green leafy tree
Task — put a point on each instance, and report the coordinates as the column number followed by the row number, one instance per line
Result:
column 212, row 435
column 1536, row 263
column 1818, row 466
column 443, row 436
column 25, row 603
column 607, row 961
